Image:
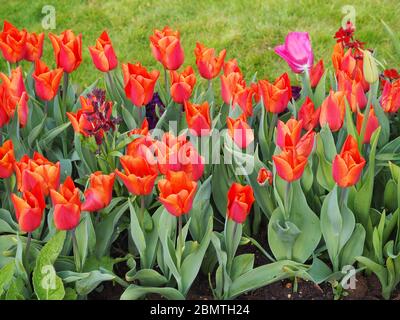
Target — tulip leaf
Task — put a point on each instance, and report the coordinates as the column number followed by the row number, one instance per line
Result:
column 263, row 133
column 134, row 292
column 35, row 132
column 136, row 230
column 6, row 275
column 326, row 151
column 52, row 134
column 47, row 285
column 354, row 247
column 86, row 237
column 384, row 124
column 149, row 278
column 297, row 237
column 242, row 264
column 92, row 281
column 220, row 184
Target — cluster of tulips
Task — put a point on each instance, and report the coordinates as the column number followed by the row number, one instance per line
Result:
column 72, row 198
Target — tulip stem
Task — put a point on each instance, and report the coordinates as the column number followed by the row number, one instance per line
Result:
column 27, row 247
column 287, row 204
column 65, row 92
column 166, row 85
column 142, row 207
column 46, row 107
column 272, row 126
column 76, row 251
column 180, row 244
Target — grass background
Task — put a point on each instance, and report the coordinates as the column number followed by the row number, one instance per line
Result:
column 247, row 29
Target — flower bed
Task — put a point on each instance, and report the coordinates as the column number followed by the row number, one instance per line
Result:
column 180, row 184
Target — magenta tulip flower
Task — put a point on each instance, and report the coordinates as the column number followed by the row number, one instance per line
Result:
column 297, row 51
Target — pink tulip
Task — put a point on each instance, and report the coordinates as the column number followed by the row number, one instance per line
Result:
column 297, row 51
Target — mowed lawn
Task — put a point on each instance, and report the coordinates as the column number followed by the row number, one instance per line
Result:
column 249, row 30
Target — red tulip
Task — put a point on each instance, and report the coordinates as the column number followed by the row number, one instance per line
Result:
column 12, row 43
column 316, row 73
column 166, row 48
column 231, row 83
column 142, row 146
column 46, row 81
column 240, row 200
column 99, row 193
column 182, row 84
column 67, row 50
column 348, row 164
column 333, row 110
column 103, row 54
column 177, row 192
column 139, row 176
column 29, row 209
column 240, row 132
column 231, row 66
column 67, row 205
column 208, row 64
column 289, row 165
column 7, row 159
column 34, row 46
column 276, row 96
column 390, row 99
column 198, row 117
column 264, row 176
column 288, row 134
column 305, row 144
column 139, row 83
column 309, row 115
column 354, row 91
column 372, row 124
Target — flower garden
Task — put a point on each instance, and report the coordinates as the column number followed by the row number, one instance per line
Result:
column 185, row 182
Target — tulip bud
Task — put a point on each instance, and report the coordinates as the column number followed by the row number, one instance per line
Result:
column 370, row 68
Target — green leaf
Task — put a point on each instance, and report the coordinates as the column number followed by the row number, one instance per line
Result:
column 86, row 237
column 52, row 134
column 6, row 275
column 136, row 230
column 92, row 281
column 354, row 247
column 134, row 292
column 34, row 134
column 149, row 278
column 47, row 285
column 242, row 264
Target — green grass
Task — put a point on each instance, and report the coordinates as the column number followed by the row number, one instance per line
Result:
column 249, row 30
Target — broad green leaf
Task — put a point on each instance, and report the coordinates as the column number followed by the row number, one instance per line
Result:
column 242, row 264
column 134, row 292
column 149, row 278
column 6, row 275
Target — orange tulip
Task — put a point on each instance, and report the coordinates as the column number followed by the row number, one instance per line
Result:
column 29, row 209
column 198, row 117
column 305, row 144
column 81, row 120
column 67, row 205
column 390, row 99
column 309, row 115
column 288, row 134
column 177, row 192
column 7, row 159
column 12, row 43
column 333, row 110
column 240, row 132
column 166, row 48
column 99, row 193
column 348, row 164
column 103, row 54
column 231, row 66
column 316, row 72
column 139, row 83
column 230, row 84
column 139, row 176
column 178, row 154
column 142, row 146
column 67, row 50
column 208, row 64
column 372, row 124
column 354, row 91
column 276, row 96
column 34, row 46
column 264, row 176
column 46, row 81
column 240, row 200
column 182, row 84
column 289, row 165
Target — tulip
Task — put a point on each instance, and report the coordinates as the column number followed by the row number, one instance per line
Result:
column 46, row 81
column 240, row 200
column 390, row 99
column 12, row 43
column 99, row 194
column 166, row 48
column 7, row 159
column 67, row 50
column 333, row 110
column 348, row 164
column 288, row 135
column 34, row 46
column 276, row 96
column 240, row 132
column 67, row 205
column 231, row 66
column 316, row 73
column 264, row 176
column 198, row 117
column 14, row 83
column 182, row 84
column 103, row 55
column 177, row 192
column 230, row 84
column 142, row 146
column 29, row 209
column 370, row 69
column 308, row 115
column 139, row 83
column 305, row 144
column 208, row 64
column 372, row 124
column 354, row 91
column 297, row 51
column 139, row 176
column 289, row 165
